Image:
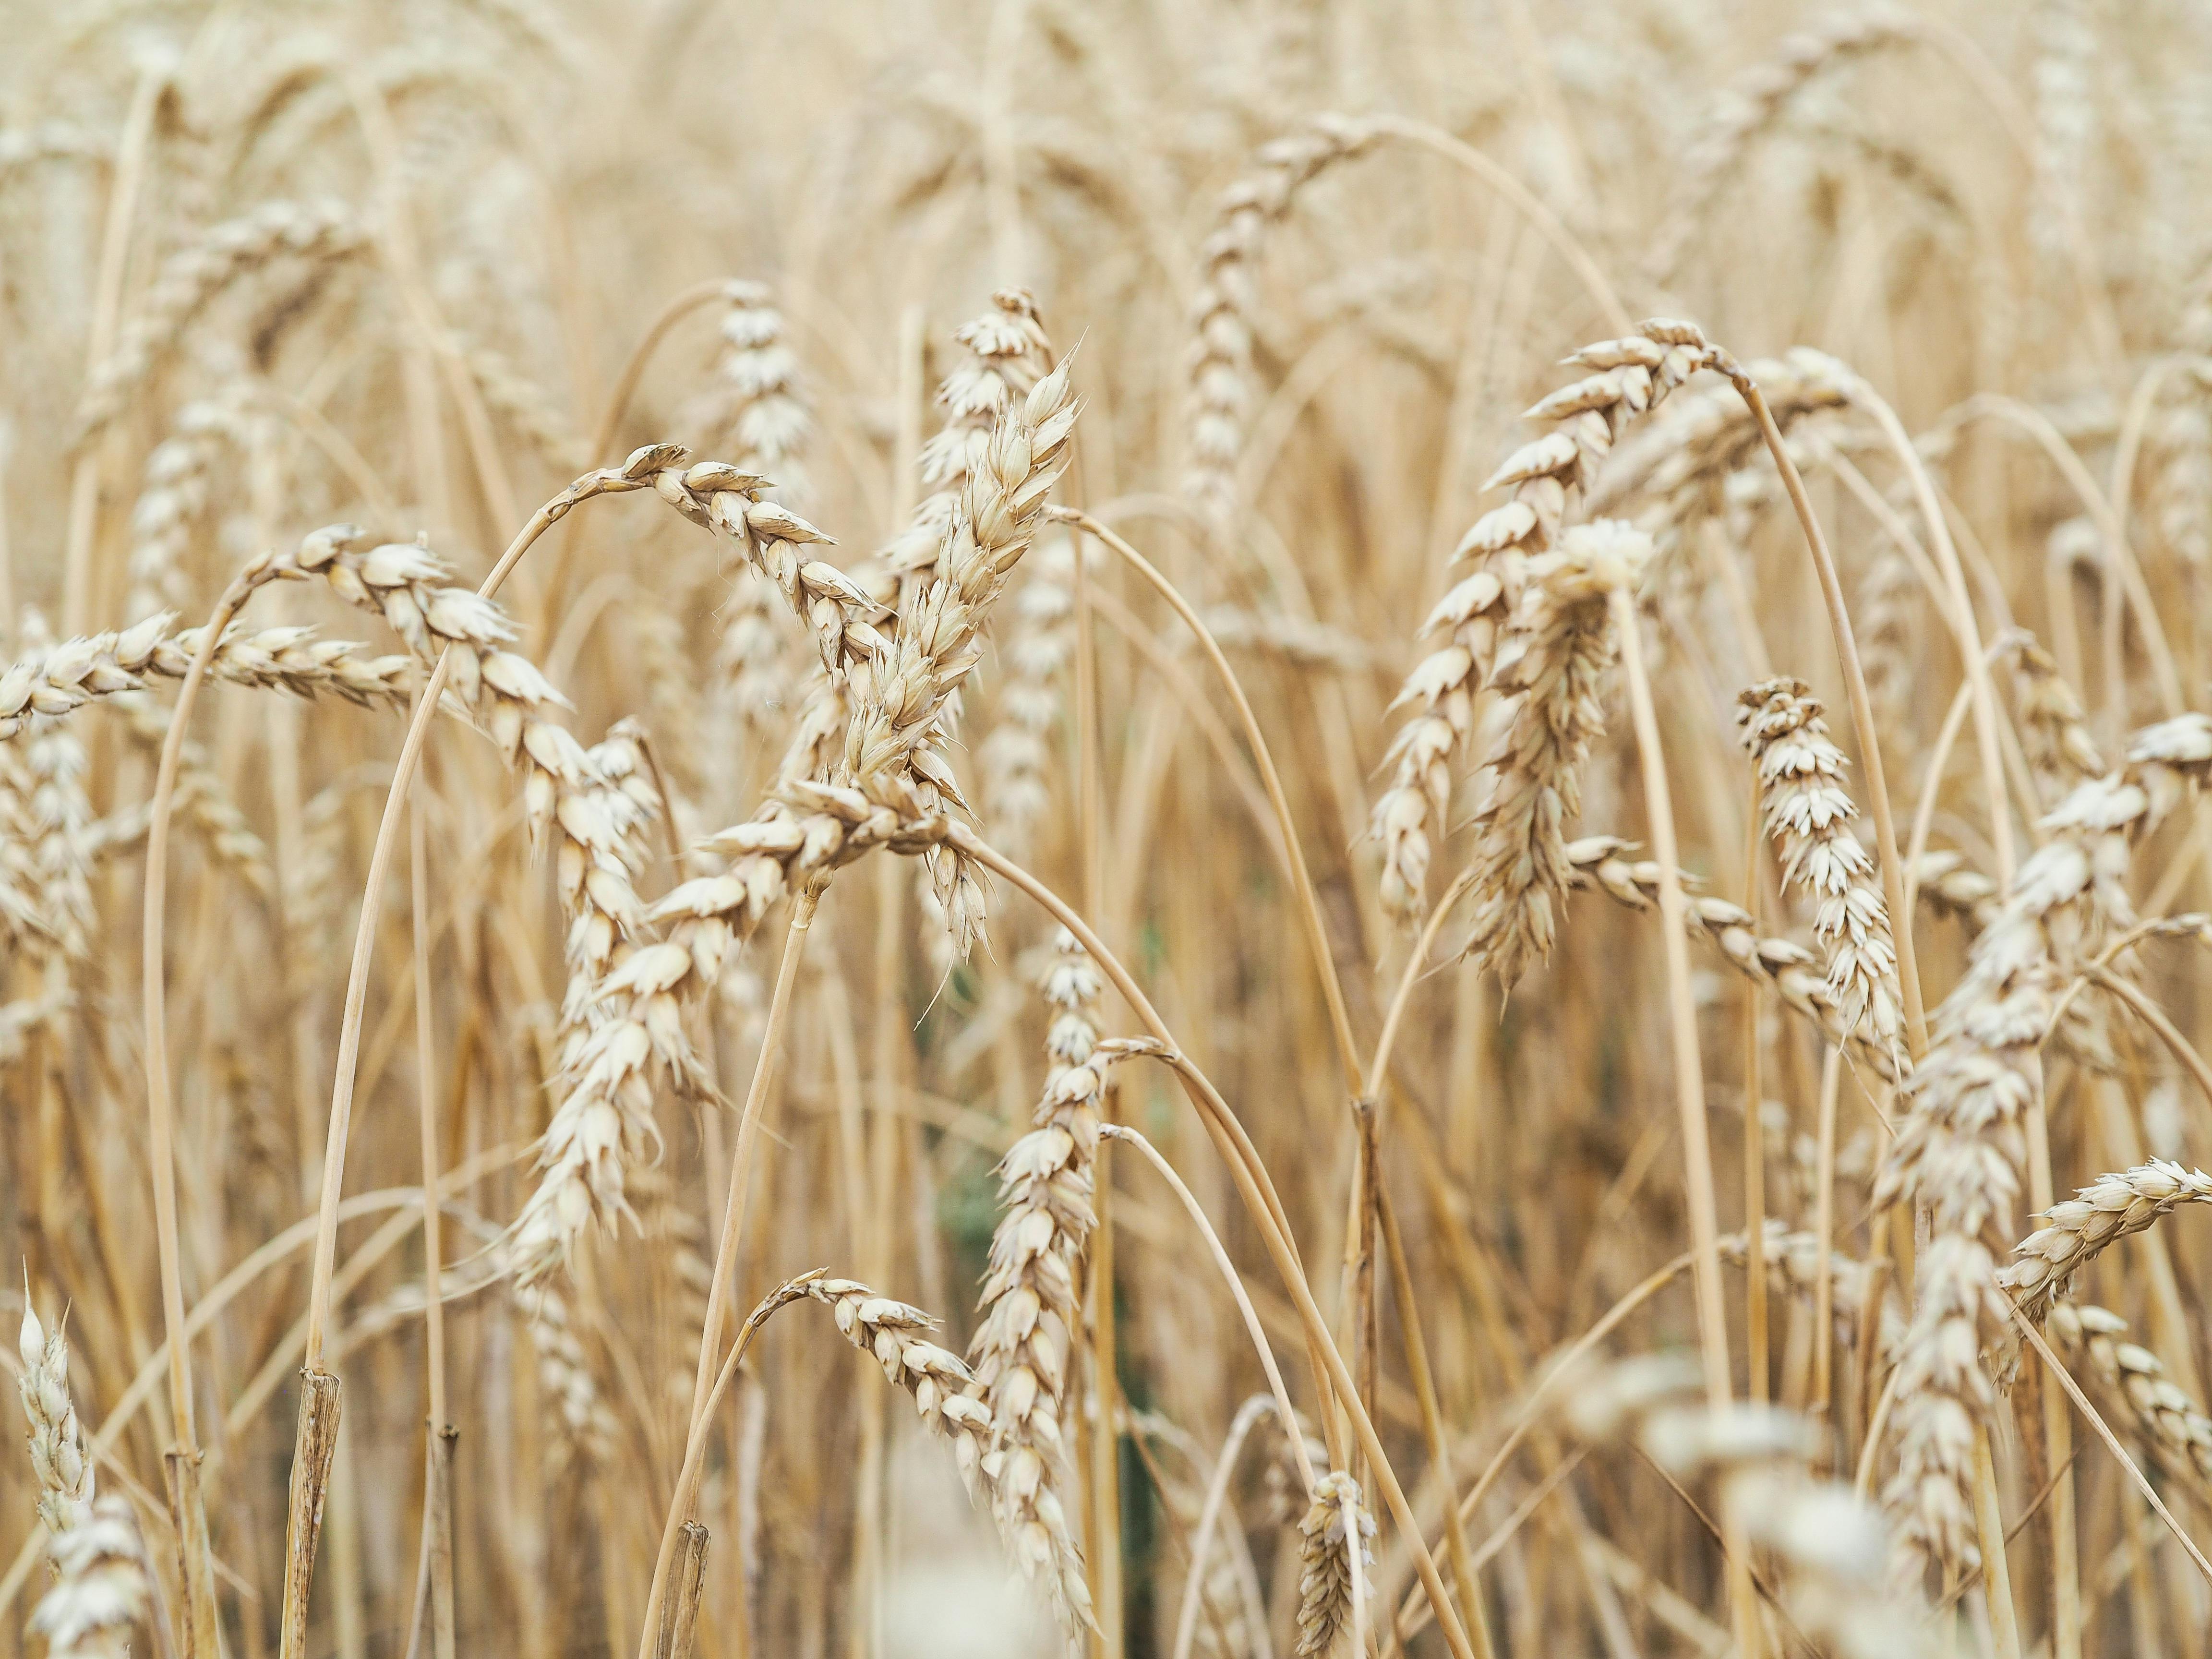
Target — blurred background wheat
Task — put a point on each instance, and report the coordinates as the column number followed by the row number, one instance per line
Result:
column 1341, row 1131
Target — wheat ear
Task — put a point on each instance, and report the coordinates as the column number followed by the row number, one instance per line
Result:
column 2084, row 1227
column 1633, row 374
column 1808, row 814
column 1023, row 1348
column 1554, row 657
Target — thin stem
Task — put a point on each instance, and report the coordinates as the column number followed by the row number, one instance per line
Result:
column 1378, row 1068
column 1824, row 1233
column 106, row 314
column 1316, row 928
column 2154, row 1017
column 1931, row 789
column 681, row 306
column 161, row 1107
column 1104, row 1564
column 605, row 481
column 1432, row 1420
column 694, row 1445
column 705, row 1388
column 1977, row 663
column 1755, row 1131
column 1217, row 1494
column 425, row 1085
column 1689, row 1070
column 1235, row 1281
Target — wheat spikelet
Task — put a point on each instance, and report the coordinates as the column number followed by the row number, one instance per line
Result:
column 1016, row 755
column 1218, row 364
column 60, row 1457
column 1679, row 464
column 1554, row 657
column 201, row 799
column 102, row 1587
column 2084, row 1227
column 757, row 402
column 893, row 746
column 21, row 920
column 809, row 829
column 1808, row 815
column 1022, row 1350
column 57, row 682
column 193, row 275
column 60, row 816
column 1753, row 103
column 1588, row 417
column 2054, row 732
column 1947, row 885
column 1008, row 353
column 2065, row 117
column 50, row 141
column 1780, row 965
column 584, row 1428
column 2173, row 1424
column 1325, row 1568
column 172, row 498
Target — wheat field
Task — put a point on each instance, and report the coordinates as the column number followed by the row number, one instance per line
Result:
column 1398, row 784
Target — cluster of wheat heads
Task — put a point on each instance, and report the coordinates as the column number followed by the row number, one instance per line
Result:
column 1414, row 793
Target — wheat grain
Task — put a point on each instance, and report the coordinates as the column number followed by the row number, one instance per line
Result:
column 1023, row 1348
column 56, row 683
column 1008, row 353
column 172, row 498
